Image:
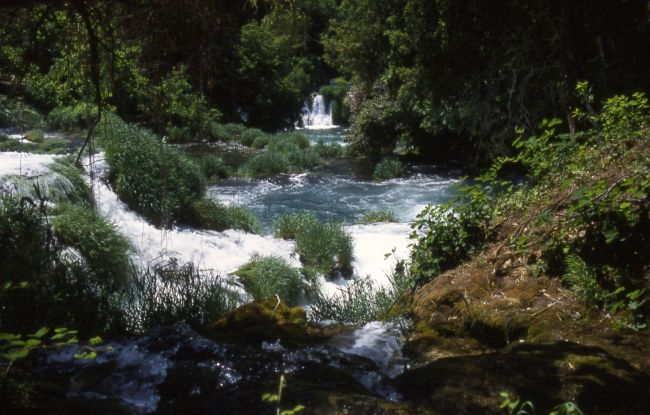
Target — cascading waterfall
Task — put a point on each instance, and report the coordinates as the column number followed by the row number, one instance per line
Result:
column 317, row 115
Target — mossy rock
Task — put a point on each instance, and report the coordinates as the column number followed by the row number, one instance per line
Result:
column 547, row 375
column 265, row 320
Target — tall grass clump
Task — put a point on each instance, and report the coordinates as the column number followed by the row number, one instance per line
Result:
column 291, row 225
column 361, row 302
column 155, row 180
column 265, row 276
column 325, row 248
column 388, row 169
column 106, row 252
column 166, row 294
column 209, row 214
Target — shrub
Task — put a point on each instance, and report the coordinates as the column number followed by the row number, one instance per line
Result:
column 208, row 214
column 264, row 277
column 157, row 181
column 72, row 117
column 388, row 169
column 169, row 293
column 375, row 216
column 445, row 234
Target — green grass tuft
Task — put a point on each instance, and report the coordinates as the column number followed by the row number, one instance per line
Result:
column 266, row 276
column 376, row 216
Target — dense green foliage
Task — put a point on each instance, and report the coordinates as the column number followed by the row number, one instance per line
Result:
column 155, row 180
column 454, row 78
column 583, row 214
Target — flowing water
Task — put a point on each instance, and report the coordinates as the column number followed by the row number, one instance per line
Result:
column 175, row 366
column 316, row 114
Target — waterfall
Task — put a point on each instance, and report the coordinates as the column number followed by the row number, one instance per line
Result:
column 317, row 115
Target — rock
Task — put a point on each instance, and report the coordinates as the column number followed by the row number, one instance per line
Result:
column 264, row 321
column 547, row 375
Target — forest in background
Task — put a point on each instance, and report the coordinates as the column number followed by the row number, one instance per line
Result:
column 442, row 80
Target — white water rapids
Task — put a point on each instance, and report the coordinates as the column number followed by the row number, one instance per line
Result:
column 222, row 252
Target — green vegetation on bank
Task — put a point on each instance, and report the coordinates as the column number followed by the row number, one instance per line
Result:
column 582, row 215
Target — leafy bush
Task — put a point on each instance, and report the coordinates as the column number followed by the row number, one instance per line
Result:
column 169, row 293
column 233, row 132
column 157, row 181
column 72, row 117
column 445, row 234
column 374, row 216
column 208, row 214
column 388, row 169
column 264, row 277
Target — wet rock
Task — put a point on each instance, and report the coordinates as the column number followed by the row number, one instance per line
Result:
column 268, row 320
column 546, row 375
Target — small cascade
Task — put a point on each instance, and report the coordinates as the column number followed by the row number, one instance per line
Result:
column 317, row 115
